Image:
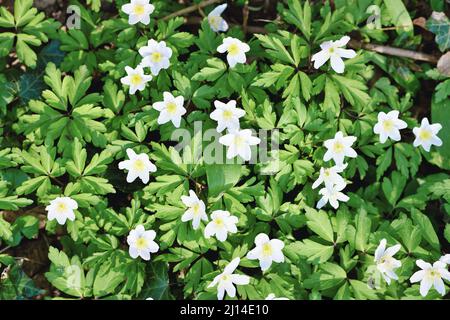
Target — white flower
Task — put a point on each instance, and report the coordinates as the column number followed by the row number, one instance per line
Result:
column 171, row 109
column 330, row 177
column 266, row 251
column 227, row 115
column 431, row 275
column 141, row 243
column 138, row 165
column 339, row 147
column 221, row 223
column 389, row 126
column 426, row 135
column 333, row 51
column 61, row 209
column 138, row 11
column 332, row 195
column 226, row 280
column 385, row 261
column 238, row 143
column 156, row 56
column 136, row 79
column 271, row 296
column 236, row 50
column 216, row 22
column 196, row 209
column 445, row 259
column 149, row 298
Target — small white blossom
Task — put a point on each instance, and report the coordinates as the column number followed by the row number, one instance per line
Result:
column 227, row 115
column 236, row 50
column 271, row 296
column 138, row 11
column 216, row 22
column 138, row 166
column 238, row 143
column 332, row 195
column 386, row 263
column 171, row 109
column 445, row 259
column 149, row 298
column 333, row 51
column 227, row 279
column 61, row 209
column 431, row 276
column 222, row 223
column 330, row 177
column 196, row 209
column 426, row 135
column 156, row 56
column 266, row 251
column 142, row 243
column 339, row 147
column 389, row 126
column 136, row 79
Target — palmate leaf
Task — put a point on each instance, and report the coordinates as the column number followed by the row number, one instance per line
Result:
column 68, row 111
column 28, row 27
column 67, row 274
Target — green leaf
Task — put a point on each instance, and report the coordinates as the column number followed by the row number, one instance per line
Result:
column 428, row 232
column 157, row 286
column 222, row 177
column 439, row 24
column 314, row 252
column 399, row 16
column 215, row 69
column 440, row 156
column 319, row 222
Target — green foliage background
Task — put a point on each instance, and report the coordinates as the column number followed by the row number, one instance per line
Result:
column 65, row 122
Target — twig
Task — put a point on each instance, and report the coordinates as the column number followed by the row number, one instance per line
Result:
column 5, row 249
column 394, row 51
column 245, row 13
column 190, row 9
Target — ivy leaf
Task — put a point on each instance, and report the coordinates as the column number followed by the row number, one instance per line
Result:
column 439, row 24
column 157, row 286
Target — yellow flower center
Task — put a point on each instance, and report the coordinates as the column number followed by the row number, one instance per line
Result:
column 156, row 56
column 139, row 9
column 141, row 243
column 214, row 21
column 136, row 79
column 227, row 114
column 238, row 141
column 266, row 250
column 171, row 107
column 388, row 125
column 331, row 50
column 327, row 172
column 433, row 273
column 61, row 207
column 425, row 134
column 196, row 209
column 139, row 165
column 225, row 277
column 338, row 147
column 219, row 222
column 233, row 49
